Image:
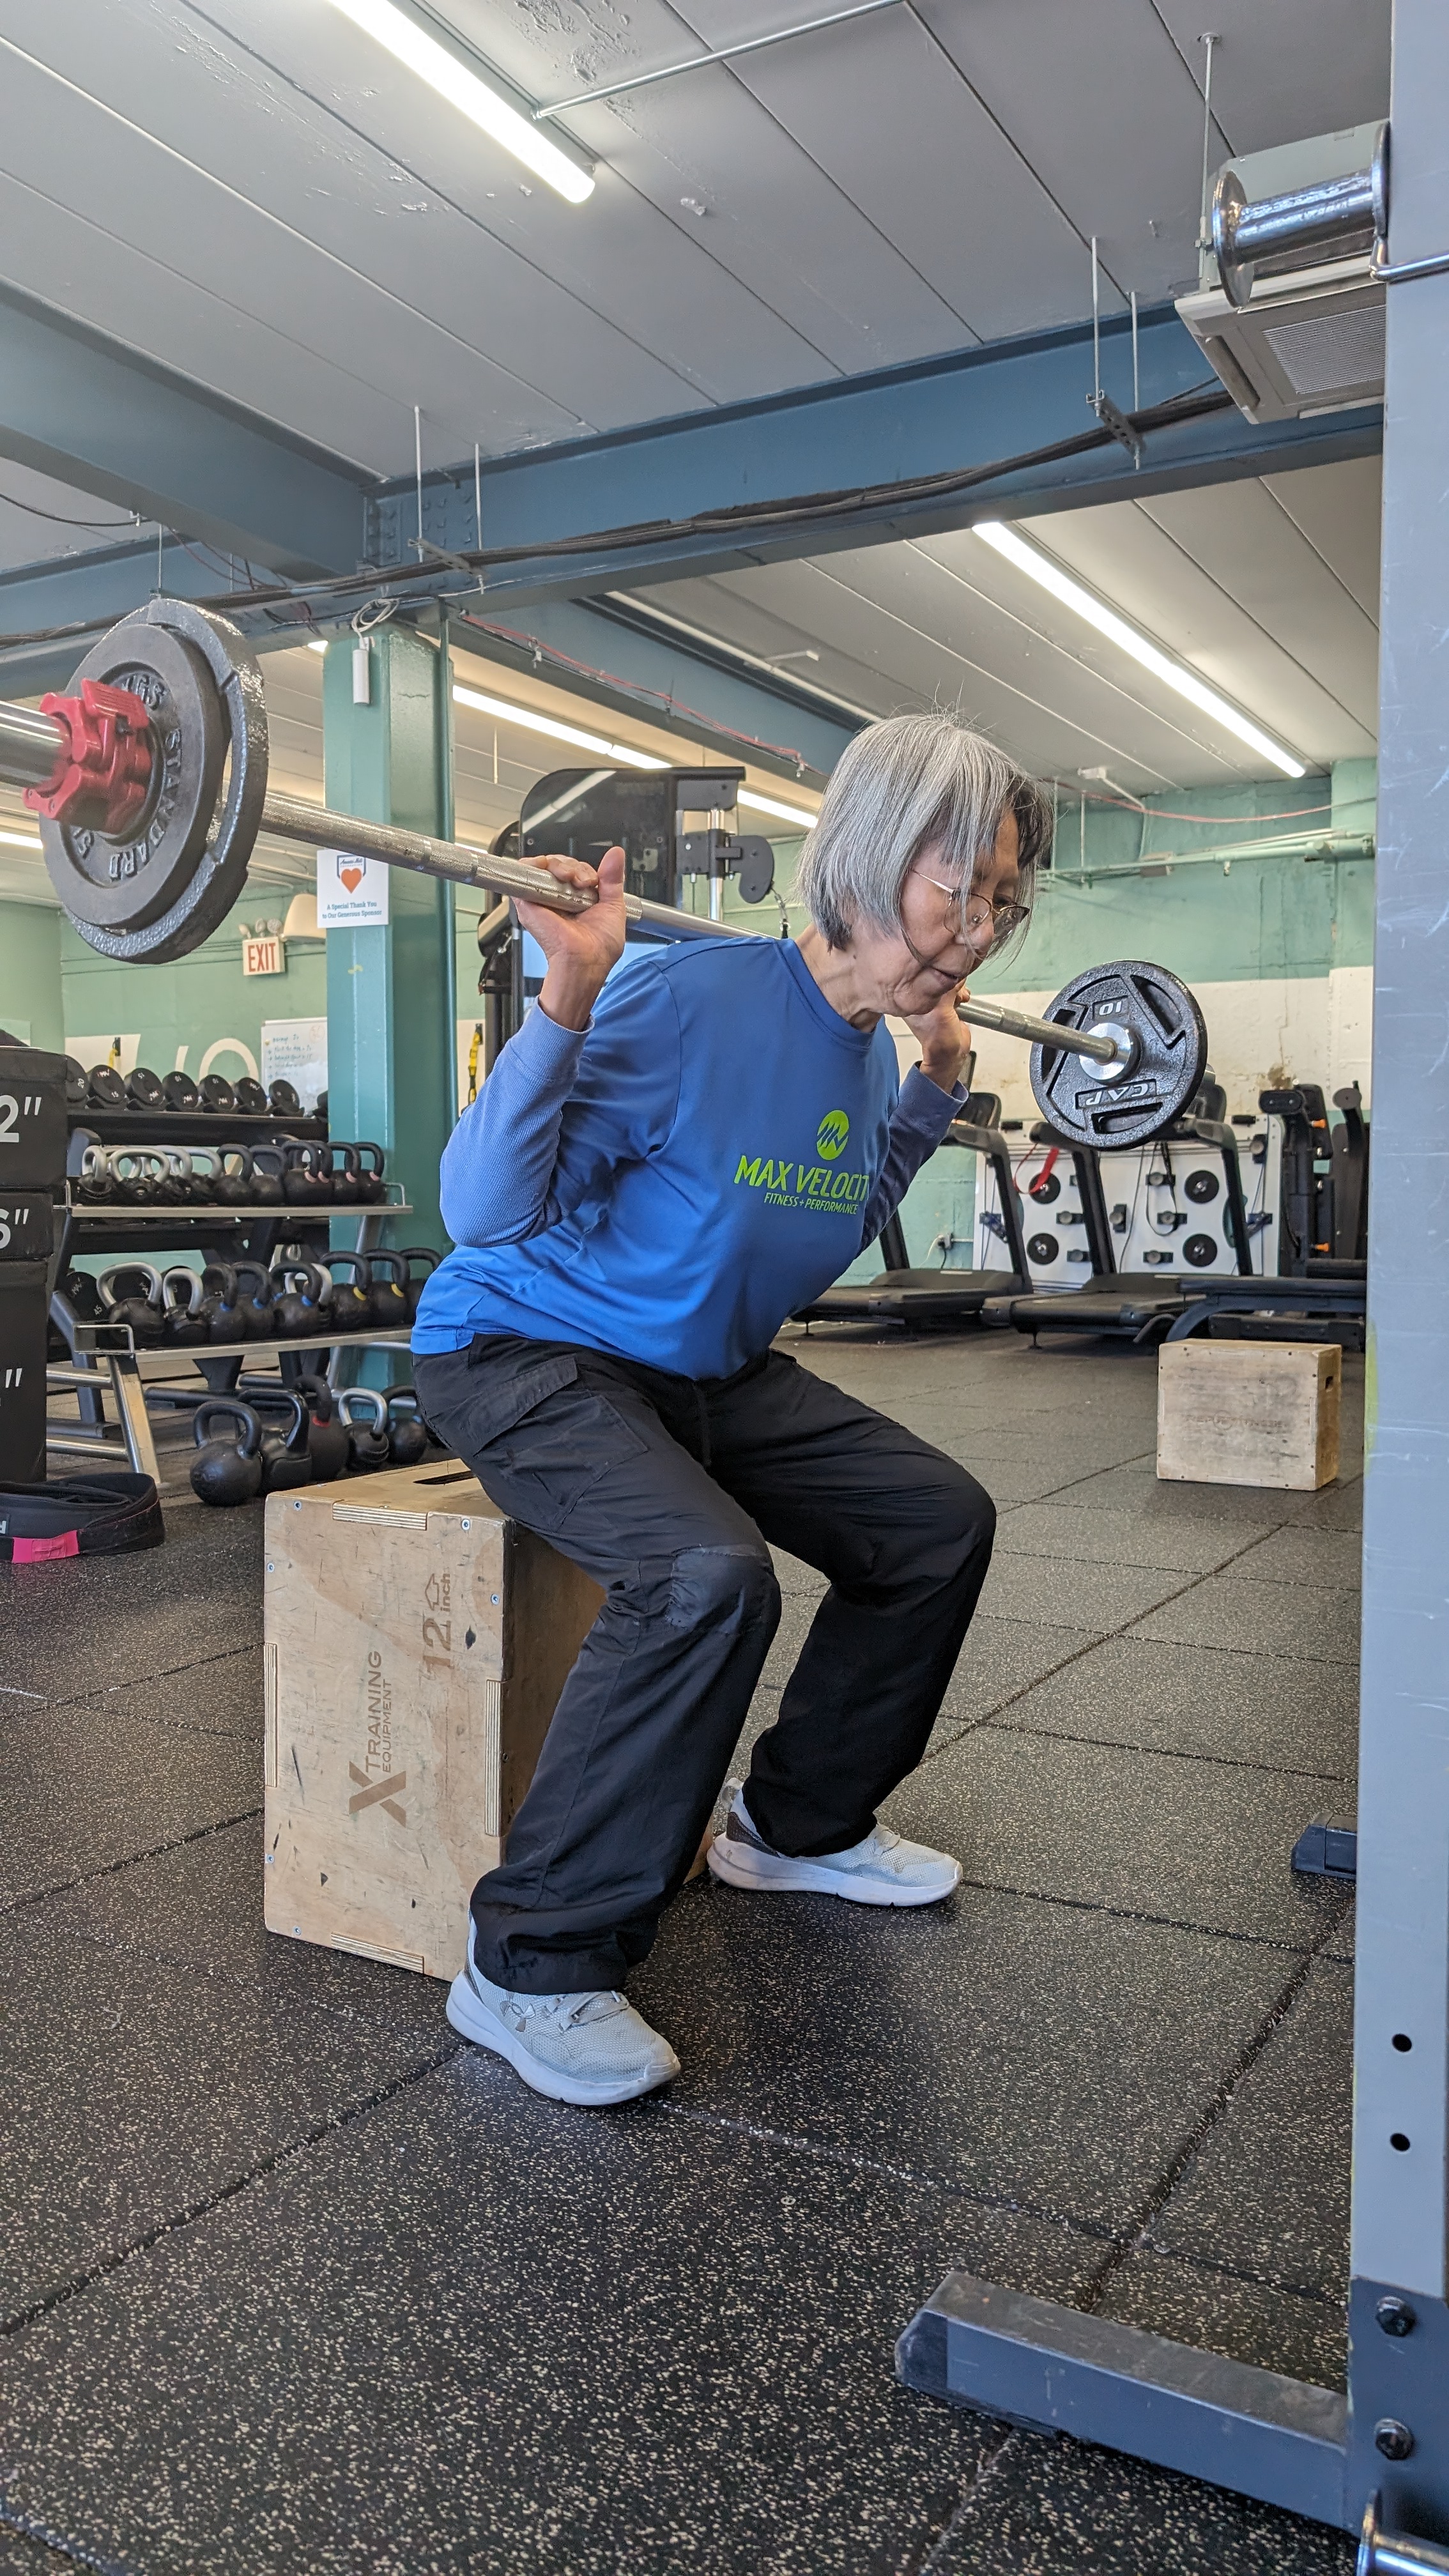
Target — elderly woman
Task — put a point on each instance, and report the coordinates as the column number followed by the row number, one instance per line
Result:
column 661, row 1168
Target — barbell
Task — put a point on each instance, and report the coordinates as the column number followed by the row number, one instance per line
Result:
column 150, row 781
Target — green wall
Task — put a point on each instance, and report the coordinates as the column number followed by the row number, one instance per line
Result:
column 30, row 985
column 197, row 1002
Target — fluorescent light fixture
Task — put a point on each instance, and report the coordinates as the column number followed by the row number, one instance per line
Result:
column 317, row 645
column 1040, row 568
column 410, row 44
column 767, row 805
column 508, row 713
column 20, row 841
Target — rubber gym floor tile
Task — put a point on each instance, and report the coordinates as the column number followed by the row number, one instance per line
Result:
column 1338, row 1507
column 1060, row 2508
column 796, row 1578
column 477, row 2331
column 20, row 2556
column 1115, row 1537
column 93, row 1622
column 142, row 2090
column 84, row 1786
column 1070, row 1593
column 1202, row 1699
column 202, row 1907
column 1311, row 1560
column 1318, row 1626
column 1192, row 2303
column 1042, row 2055
column 1003, row 1657
column 222, row 1696
column 1139, row 1490
column 1185, row 1841
column 1267, row 2192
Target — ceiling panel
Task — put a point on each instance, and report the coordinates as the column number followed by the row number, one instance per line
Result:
column 1257, row 557
column 1301, row 67
column 649, row 270
column 257, row 204
column 879, row 105
column 947, row 621
column 1337, row 509
column 1183, row 594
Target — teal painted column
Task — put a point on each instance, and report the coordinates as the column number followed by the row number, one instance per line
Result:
column 390, row 1036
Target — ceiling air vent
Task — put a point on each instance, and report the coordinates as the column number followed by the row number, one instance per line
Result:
column 1289, row 334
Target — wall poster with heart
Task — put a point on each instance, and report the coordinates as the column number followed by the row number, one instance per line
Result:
column 351, row 892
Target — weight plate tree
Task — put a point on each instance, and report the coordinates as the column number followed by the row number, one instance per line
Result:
column 151, row 784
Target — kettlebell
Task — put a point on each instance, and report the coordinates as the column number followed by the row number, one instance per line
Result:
column 255, row 1301
column 169, row 1186
column 407, row 1433
column 299, row 1307
column 268, row 1165
column 233, row 1188
column 351, row 1305
column 307, row 1178
column 206, row 1170
column 222, row 1302
column 135, row 1182
column 371, row 1187
column 184, row 1320
column 413, row 1288
column 142, row 1314
column 227, row 1471
column 96, row 1186
column 346, row 1178
column 387, row 1302
column 284, row 1453
column 366, row 1440
column 184, row 1180
column 328, row 1445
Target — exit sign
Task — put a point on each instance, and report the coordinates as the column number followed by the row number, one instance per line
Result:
column 263, row 957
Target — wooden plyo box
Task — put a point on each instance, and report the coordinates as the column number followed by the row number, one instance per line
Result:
column 1249, row 1413
column 416, row 1644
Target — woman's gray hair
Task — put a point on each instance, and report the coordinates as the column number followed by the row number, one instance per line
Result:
column 901, row 783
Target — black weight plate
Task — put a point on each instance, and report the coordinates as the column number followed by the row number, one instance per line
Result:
column 250, row 1097
column 1169, row 1056
column 217, row 1093
column 181, row 1092
column 1201, row 1251
column 106, row 1087
column 1043, row 1248
column 205, row 884
column 1044, row 1189
column 143, row 1089
column 126, row 885
column 1201, row 1186
column 283, row 1100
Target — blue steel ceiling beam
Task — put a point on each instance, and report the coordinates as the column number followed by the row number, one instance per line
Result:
column 97, row 415
column 956, row 414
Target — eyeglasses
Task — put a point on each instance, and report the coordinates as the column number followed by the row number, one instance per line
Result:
column 973, row 917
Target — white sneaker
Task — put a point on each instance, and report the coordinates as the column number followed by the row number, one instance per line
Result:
column 591, row 2049
column 882, row 1870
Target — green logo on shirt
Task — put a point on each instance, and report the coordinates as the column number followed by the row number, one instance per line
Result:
column 834, row 1129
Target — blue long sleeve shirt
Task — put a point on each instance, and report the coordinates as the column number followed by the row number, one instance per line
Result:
column 675, row 1180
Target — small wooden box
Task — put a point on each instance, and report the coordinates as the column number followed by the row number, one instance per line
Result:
column 416, row 1644
column 1249, row 1413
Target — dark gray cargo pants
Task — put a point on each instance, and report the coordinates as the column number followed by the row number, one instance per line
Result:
column 666, row 1489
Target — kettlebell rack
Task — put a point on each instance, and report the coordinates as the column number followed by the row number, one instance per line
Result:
column 106, row 1362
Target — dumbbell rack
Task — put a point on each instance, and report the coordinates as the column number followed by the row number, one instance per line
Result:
column 104, row 1362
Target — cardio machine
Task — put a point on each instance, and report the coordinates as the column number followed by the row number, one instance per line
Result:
column 926, row 1300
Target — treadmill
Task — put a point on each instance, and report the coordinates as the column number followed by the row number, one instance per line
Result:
column 1137, row 1305
column 937, row 1300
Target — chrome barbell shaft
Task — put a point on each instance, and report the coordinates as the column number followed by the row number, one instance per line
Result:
column 291, row 818
column 1049, row 1033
